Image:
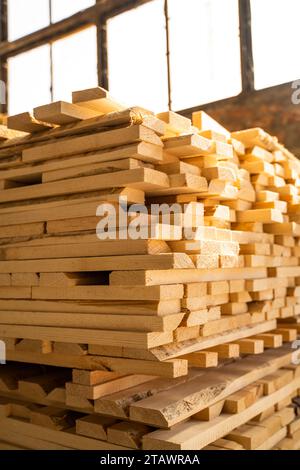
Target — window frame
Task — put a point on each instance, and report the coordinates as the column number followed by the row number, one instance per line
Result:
column 98, row 15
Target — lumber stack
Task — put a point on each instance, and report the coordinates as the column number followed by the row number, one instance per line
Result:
column 181, row 339
column 252, row 403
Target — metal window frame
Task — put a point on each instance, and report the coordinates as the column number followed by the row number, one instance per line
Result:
column 98, row 15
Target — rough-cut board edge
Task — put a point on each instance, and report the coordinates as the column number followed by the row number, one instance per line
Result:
column 165, row 412
column 154, row 355
column 174, row 350
column 207, row 343
column 117, row 404
column 200, row 434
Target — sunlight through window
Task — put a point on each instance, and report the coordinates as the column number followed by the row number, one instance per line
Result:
column 74, row 63
column 63, row 8
column 29, row 80
column 275, row 33
column 26, row 16
column 137, row 57
column 205, row 51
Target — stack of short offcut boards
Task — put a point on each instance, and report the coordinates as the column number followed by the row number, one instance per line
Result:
column 149, row 282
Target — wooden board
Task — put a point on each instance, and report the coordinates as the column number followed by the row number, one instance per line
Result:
column 170, row 369
column 97, row 99
column 143, row 179
column 105, row 263
column 63, row 438
column 194, row 435
column 163, row 409
column 103, row 140
column 25, row 122
column 132, row 323
column 61, row 113
column 72, row 335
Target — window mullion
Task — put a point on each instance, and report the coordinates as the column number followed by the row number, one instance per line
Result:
column 247, row 63
column 168, row 54
column 3, row 59
column 51, row 56
column 102, row 53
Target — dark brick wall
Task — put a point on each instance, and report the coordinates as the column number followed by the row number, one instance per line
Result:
column 271, row 109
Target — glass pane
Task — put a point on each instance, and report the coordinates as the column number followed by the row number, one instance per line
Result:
column 275, row 33
column 205, row 51
column 29, row 80
column 26, row 16
column 74, row 63
column 63, row 8
column 137, row 57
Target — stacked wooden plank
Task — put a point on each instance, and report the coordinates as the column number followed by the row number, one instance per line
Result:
column 144, row 323
column 252, row 402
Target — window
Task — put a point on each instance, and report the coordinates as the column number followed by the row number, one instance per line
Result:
column 61, row 9
column 201, row 69
column 137, row 64
column 29, row 80
column 29, row 74
column 275, row 33
column 26, row 16
column 201, row 35
column 151, row 53
column 74, row 63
